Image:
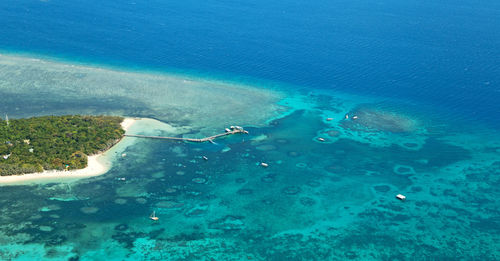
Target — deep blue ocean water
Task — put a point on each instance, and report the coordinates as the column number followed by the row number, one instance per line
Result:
column 424, row 78
column 443, row 53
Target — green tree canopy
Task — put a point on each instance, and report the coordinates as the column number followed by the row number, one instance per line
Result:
column 55, row 142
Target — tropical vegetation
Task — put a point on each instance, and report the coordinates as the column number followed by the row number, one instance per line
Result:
column 54, row 142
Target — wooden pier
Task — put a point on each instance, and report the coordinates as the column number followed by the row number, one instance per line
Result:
column 234, row 130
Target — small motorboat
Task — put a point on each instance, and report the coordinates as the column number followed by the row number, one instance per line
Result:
column 153, row 216
column 265, row 165
column 321, row 139
column 401, row 197
column 205, row 157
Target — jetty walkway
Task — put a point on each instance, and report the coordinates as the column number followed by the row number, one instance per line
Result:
column 230, row 131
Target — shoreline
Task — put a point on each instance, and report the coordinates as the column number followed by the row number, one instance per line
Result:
column 96, row 165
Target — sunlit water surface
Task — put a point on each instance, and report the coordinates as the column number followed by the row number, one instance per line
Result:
column 318, row 199
column 421, row 77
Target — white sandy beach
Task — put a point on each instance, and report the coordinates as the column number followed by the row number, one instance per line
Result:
column 128, row 122
column 100, row 163
column 94, row 168
column 96, row 165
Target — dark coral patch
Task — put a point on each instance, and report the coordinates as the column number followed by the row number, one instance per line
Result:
column 75, row 226
column 350, row 255
column 403, row 170
column 416, row 189
column 269, row 178
column 121, row 227
column 333, row 133
column 282, row 141
column 410, row 145
column 268, row 201
column 335, row 168
column 228, row 223
column 245, row 192
column 313, row 183
column 301, row 165
column 307, row 201
column 291, row 190
column 199, row 180
column 55, row 240
column 240, row 180
column 266, row 147
column 197, row 211
column 382, row 188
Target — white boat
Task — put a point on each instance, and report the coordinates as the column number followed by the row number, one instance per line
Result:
column 153, row 216
column 401, row 197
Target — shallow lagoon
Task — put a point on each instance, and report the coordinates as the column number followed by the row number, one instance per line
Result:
column 317, row 200
column 39, row 87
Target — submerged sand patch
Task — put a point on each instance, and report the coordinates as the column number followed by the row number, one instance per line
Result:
column 50, row 87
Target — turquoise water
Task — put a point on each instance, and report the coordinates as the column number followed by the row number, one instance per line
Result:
column 317, row 200
column 444, row 54
column 417, row 80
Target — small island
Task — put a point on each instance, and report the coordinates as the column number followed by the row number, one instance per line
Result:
column 60, row 143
